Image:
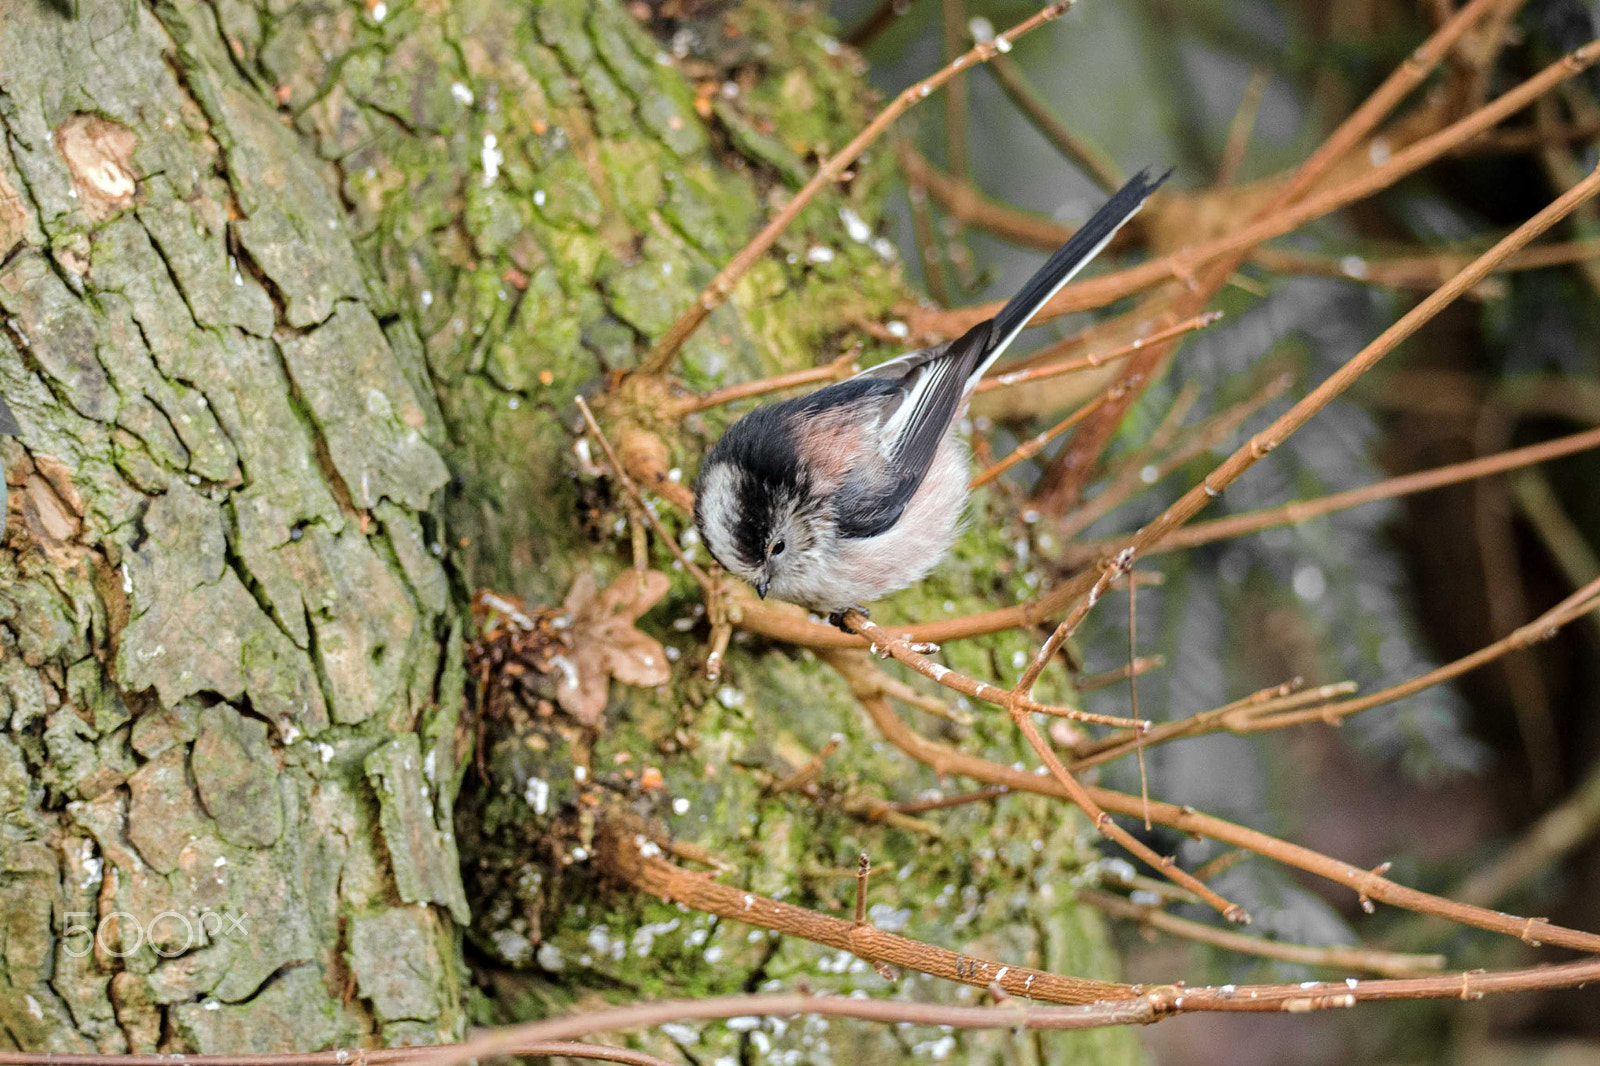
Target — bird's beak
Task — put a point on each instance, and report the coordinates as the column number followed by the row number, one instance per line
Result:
column 762, row 586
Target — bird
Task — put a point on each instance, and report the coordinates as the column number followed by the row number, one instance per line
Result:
column 842, row 496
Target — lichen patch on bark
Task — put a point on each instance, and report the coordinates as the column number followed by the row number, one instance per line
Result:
column 99, row 156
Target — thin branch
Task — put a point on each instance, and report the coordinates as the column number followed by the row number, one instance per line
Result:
column 1274, row 699
column 1148, row 1006
column 1181, row 265
column 1238, row 525
column 881, row 18
column 837, row 370
column 721, row 287
column 1544, row 627
column 626, row 854
column 1099, row 167
column 533, row 1049
column 1006, row 380
column 1143, row 470
column 638, row 498
column 902, row 649
column 1554, row 836
column 1334, row 956
column 1142, row 665
column 1036, row 443
column 1371, row 885
column 1244, row 124
column 939, row 803
column 1263, row 443
column 1530, row 138
column 1021, row 708
column 967, row 204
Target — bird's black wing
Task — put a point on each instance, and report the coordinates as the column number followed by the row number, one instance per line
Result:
column 935, row 381
column 930, row 387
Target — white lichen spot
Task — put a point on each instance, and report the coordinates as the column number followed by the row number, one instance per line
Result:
column 680, row 806
column 538, row 198
column 380, row 11
column 34, row 1008
column 680, row 1033
column 536, row 794
column 898, row 329
column 427, row 297
column 492, row 158
column 549, row 957
column 462, row 94
column 858, row 230
column 326, row 752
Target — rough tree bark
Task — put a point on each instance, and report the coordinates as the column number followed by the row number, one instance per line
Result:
column 294, row 301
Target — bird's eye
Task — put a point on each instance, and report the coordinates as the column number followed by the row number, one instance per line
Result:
column 777, row 548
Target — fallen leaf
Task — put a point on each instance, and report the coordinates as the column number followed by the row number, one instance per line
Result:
column 581, row 647
column 605, row 643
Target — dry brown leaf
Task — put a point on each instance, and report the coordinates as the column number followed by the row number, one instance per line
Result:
column 605, row 644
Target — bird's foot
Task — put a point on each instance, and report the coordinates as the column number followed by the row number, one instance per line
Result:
column 836, row 619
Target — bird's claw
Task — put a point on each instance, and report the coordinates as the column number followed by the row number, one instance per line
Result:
column 836, row 618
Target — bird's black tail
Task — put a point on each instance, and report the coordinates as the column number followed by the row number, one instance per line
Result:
column 1071, row 257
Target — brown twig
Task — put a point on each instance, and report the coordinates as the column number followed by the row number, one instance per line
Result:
column 901, row 648
column 1009, row 379
column 1143, row 470
column 1334, row 956
column 1539, row 506
column 1022, row 709
column 968, row 205
column 1119, row 745
column 982, row 795
column 1142, row 665
column 1238, row 525
column 633, row 492
column 621, row 851
column 388, row 1056
column 1036, row 443
column 1099, row 167
column 808, row 773
column 1264, row 442
column 1142, row 1008
column 1542, row 628
column 1180, row 265
column 1369, row 884
column 880, row 19
column 1243, row 125
column 837, row 370
column 721, row 287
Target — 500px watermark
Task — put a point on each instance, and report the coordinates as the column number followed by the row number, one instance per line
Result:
column 169, row 934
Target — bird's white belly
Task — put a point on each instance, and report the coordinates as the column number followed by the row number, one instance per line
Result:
column 867, row 568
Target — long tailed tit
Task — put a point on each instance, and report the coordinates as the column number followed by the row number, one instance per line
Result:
column 857, row 490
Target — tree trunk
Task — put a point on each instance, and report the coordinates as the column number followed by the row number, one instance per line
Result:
column 290, row 291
